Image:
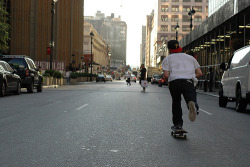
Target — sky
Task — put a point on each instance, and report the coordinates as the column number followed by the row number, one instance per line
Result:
column 133, row 12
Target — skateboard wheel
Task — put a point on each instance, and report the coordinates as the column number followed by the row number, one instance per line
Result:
column 174, row 136
column 172, row 133
column 185, row 136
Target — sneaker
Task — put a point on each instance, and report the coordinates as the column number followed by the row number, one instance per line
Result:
column 179, row 127
column 192, row 111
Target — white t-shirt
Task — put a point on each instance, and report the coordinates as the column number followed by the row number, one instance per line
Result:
column 180, row 66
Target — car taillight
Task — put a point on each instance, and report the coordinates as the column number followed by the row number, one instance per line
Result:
column 27, row 72
column 162, row 80
column 134, row 77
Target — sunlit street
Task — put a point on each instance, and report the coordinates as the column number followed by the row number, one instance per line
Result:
column 113, row 124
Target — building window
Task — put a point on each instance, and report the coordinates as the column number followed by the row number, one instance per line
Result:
column 164, row 18
column 198, row 0
column 173, row 37
column 185, row 28
column 175, row 18
column 164, row 8
column 175, row 8
column 198, row 8
column 175, row 0
column 186, row 0
column 173, row 28
column 164, row 28
column 197, row 19
column 164, row 0
column 186, row 8
column 185, row 18
column 164, row 38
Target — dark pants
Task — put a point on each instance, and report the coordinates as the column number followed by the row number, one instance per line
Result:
column 177, row 88
column 128, row 81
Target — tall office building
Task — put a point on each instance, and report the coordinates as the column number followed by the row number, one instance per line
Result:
column 215, row 5
column 114, row 32
column 31, row 25
column 170, row 13
column 143, row 45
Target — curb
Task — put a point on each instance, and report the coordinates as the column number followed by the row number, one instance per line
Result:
column 51, row 86
column 214, row 94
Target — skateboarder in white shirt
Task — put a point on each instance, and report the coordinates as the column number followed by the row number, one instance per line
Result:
column 181, row 70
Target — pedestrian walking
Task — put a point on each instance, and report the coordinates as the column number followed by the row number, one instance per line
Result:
column 182, row 71
column 128, row 79
column 68, row 76
column 211, row 79
column 143, row 76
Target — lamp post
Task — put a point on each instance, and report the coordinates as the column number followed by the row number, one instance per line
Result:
column 176, row 29
column 91, row 35
column 191, row 13
column 53, row 3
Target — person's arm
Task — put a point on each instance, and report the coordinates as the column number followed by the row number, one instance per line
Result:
column 198, row 73
column 166, row 74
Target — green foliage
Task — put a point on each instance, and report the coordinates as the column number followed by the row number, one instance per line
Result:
column 4, row 28
column 46, row 75
column 73, row 75
column 50, row 72
column 58, row 74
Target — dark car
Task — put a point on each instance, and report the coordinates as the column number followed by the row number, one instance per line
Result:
column 9, row 80
column 101, row 78
column 27, row 70
column 155, row 78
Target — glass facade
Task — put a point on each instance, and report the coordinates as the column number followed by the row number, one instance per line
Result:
column 215, row 5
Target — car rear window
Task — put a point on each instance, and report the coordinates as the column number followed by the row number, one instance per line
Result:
column 16, row 62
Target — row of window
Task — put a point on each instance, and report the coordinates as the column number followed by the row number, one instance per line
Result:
column 175, row 18
column 184, row 0
column 184, row 28
column 175, row 8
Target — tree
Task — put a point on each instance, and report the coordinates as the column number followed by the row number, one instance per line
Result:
column 4, row 28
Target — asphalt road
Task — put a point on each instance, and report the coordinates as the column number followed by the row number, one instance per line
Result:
column 115, row 125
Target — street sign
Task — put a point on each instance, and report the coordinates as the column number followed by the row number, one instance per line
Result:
column 48, row 50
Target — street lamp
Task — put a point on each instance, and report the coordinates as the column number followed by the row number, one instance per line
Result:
column 91, row 35
column 53, row 3
column 191, row 13
column 177, row 28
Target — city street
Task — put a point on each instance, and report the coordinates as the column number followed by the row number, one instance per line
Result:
column 115, row 125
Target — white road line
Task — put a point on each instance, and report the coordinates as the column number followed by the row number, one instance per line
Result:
column 206, row 112
column 79, row 108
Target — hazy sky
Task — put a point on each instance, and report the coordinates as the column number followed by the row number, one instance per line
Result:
column 133, row 12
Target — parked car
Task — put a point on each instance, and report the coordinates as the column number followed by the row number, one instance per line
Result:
column 162, row 81
column 155, row 78
column 133, row 78
column 9, row 80
column 108, row 78
column 101, row 78
column 235, row 82
column 27, row 70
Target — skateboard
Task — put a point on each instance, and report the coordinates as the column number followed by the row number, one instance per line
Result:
column 178, row 133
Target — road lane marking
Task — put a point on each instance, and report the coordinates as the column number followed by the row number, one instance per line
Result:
column 206, row 112
column 79, row 108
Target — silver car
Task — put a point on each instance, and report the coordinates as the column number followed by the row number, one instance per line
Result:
column 108, row 78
